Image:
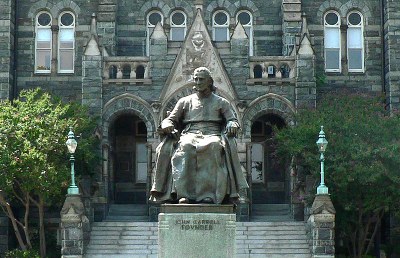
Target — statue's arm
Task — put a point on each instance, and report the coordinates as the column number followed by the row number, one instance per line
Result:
column 168, row 124
column 232, row 125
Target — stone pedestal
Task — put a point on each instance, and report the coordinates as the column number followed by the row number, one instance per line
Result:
column 196, row 230
column 322, row 226
column 75, row 227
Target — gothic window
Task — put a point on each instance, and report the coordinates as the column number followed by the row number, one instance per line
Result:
column 220, row 25
column 332, row 41
column 246, row 19
column 355, row 44
column 43, row 43
column 153, row 18
column 66, row 42
column 178, row 26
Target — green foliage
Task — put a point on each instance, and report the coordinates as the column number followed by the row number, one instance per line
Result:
column 362, row 160
column 22, row 254
column 34, row 163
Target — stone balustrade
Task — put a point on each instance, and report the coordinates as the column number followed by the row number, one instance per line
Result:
column 271, row 70
column 126, row 69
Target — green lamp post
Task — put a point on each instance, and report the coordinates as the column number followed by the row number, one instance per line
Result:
column 322, row 143
column 71, row 145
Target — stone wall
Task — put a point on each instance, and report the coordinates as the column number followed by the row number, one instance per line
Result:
column 392, row 52
column 371, row 79
column 7, row 37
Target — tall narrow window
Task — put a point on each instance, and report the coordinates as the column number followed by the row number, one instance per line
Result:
column 153, row 18
column 178, row 26
column 245, row 18
column 66, row 43
column 332, row 41
column 43, row 43
column 355, row 42
column 220, row 26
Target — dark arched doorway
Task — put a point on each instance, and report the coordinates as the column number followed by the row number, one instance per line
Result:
column 128, row 137
column 268, row 174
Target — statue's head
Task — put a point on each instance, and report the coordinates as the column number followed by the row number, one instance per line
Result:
column 203, row 79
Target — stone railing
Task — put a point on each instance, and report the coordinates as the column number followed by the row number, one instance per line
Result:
column 126, row 69
column 271, row 70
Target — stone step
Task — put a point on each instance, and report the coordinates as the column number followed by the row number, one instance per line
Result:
column 253, row 239
column 117, row 218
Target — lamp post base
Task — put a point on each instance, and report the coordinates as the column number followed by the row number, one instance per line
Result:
column 73, row 190
column 322, row 189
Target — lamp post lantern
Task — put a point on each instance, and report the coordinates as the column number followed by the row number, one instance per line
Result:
column 322, row 143
column 71, row 145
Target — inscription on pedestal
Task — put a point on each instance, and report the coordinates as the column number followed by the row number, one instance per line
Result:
column 193, row 235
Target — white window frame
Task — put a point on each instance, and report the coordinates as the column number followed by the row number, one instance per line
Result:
column 37, row 49
column 337, row 27
column 61, row 28
column 359, row 26
column 219, row 26
column 150, row 27
column 175, row 26
column 248, row 28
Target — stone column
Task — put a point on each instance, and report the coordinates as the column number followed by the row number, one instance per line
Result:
column 7, row 28
column 391, row 50
column 75, row 227
column 322, row 227
column 291, row 24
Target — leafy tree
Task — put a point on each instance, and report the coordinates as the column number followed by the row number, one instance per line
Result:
column 362, row 161
column 33, row 158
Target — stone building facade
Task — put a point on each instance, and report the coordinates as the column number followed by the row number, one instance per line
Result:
column 130, row 61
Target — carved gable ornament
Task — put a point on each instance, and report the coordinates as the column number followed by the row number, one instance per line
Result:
column 197, row 50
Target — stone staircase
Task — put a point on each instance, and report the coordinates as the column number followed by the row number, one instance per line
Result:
column 128, row 213
column 253, row 239
column 271, row 212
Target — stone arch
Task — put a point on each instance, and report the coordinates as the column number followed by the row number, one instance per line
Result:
column 267, row 104
column 148, row 6
column 329, row 5
column 247, row 5
column 125, row 104
column 54, row 9
column 184, row 6
column 169, row 103
column 344, row 9
column 222, row 5
column 358, row 5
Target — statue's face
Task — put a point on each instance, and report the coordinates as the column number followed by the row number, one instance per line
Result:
column 201, row 80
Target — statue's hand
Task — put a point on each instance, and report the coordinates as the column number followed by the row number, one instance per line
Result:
column 167, row 129
column 232, row 128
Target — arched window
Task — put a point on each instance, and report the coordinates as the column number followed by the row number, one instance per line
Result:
column 126, row 72
column 112, row 72
column 153, row 18
column 355, row 42
column 246, row 19
column 257, row 70
column 66, row 42
column 178, row 26
column 220, row 26
column 140, row 72
column 43, row 43
column 332, row 41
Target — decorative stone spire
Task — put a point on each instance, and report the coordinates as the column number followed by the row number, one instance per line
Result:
column 92, row 47
column 239, row 32
column 199, row 4
column 158, row 32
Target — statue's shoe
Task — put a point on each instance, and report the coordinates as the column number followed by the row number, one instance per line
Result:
column 183, row 200
column 207, row 200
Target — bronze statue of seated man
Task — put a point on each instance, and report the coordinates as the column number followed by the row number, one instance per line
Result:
column 200, row 164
